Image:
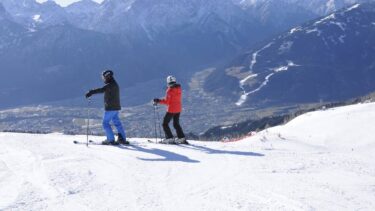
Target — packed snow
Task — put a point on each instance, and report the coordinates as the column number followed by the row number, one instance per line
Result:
column 324, row 160
column 296, row 29
column 353, row 7
column 37, row 18
column 329, row 17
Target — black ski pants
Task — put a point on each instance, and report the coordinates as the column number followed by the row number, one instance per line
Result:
column 176, row 124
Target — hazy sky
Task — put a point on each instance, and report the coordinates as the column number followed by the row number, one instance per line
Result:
column 65, row 2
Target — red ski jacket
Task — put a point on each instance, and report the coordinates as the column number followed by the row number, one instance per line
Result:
column 173, row 99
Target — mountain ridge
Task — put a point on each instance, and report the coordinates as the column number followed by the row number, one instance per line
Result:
column 328, row 39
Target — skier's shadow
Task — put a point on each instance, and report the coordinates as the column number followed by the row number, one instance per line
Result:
column 216, row 151
column 164, row 154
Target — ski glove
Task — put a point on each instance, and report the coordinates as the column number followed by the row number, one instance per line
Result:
column 88, row 94
column 156, row 100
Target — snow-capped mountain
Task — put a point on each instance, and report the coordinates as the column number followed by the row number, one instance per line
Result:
column 331, row 58
column 325, row 7
column 141, row 17
column 155, row 38
column 126, row 15
column 319, row 7
column 81, row 13
column 323, row 160
column 32, row 14
column 156, row 17
column 145, row 17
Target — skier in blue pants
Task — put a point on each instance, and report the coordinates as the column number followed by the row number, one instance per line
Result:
column 113, row 116
column 112, row 106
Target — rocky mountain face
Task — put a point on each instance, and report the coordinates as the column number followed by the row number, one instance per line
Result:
column 328, row 59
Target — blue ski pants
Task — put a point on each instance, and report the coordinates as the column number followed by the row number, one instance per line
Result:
column 114, row 117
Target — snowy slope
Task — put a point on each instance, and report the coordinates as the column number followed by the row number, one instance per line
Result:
column 323, row 160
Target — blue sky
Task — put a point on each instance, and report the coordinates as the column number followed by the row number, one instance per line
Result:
column 66, row 2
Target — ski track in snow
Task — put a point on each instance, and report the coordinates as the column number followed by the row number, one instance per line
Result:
column 323, row 160
column 252, row 63
column 273, row 71
column 243, row 81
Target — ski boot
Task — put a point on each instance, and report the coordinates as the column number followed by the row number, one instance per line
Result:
column 121, row 140
column 181, row 141
column 106, row 142
column 167, row 141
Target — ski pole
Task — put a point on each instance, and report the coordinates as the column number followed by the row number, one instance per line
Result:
column 155, row 123
column 88, row 122
column 158, row 115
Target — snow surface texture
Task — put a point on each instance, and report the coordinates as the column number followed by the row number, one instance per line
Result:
column 323, row 160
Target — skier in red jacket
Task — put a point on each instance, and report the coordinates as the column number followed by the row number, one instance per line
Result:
column 173, row 101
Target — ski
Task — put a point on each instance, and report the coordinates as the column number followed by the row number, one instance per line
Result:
column 91, row 142
column 85, row 143
column 185, row 143
column 149, row 141
column 159, row 142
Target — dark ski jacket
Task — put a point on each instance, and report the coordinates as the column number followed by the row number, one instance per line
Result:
column 173, row 99
column 111, row 95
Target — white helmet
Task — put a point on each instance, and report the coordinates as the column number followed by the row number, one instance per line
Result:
column 171, row 79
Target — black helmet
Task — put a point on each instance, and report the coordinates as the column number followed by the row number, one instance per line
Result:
column 107, row 73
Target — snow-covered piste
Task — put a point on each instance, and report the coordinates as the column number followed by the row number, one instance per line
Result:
column 323, row 160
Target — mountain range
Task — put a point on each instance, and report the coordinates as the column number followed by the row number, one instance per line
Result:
column 327, row 59
column 141, row 41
